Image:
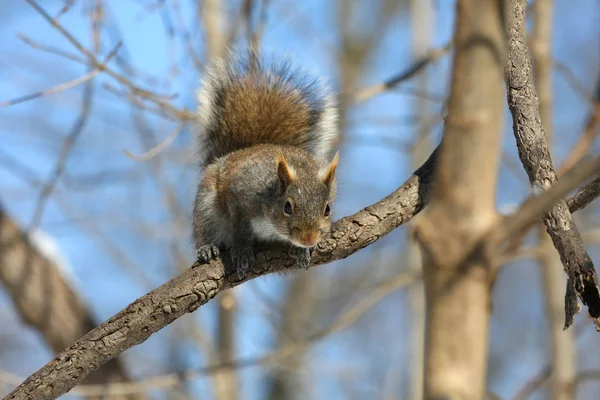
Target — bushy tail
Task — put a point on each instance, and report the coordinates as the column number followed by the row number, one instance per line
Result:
column 245, row 101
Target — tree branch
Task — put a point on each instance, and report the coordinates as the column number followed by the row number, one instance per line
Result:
column 535, row 157
column 280, row 354
column 371, row 91
column 199, row 284
column 585, row 195
column 535, row 205
column 44, row 298
column 165, row 107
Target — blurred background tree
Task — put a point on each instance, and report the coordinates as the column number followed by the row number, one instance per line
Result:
column 110, row 79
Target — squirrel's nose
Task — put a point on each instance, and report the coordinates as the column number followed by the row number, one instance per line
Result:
column 309, row 238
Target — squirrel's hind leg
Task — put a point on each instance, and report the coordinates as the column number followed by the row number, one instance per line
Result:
column 210, row 230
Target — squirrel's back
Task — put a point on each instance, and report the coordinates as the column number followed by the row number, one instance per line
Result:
column 246, row 100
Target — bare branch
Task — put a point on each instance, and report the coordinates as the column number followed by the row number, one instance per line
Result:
column 158, row 148
column 539, row 380
column 50, row 49
column 535, row 157
column 172, row 379
column 530, row 210
column 56, row 89
column 167, row 108
column 585, row 195
column 65, row 150
column 64, row 86
column 533, row 384
column 65, row 9
column 371, row 91
column 44, row 298
column 187, row 38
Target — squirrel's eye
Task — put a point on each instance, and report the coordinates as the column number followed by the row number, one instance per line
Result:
column 287, row 208
column 327, row 210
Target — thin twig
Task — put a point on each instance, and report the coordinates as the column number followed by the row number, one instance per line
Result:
column 158, row 148
column 585, row 195
column 534, row 384
column 574, row 82
column 167, row 108
column 65, row 9
column 187, row 38
column 368, row 92
column 62, row 87
column 66, row 148
column 531, row 209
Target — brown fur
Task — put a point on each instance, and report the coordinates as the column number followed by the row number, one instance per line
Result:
column 255, row 111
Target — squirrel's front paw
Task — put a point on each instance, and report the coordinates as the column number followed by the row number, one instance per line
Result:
column 207, row 252
column 302, row 256
column 243, row 259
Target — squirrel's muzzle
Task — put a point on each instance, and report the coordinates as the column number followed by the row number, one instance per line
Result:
column 309, row 238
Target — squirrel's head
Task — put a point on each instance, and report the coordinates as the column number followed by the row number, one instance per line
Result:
column 304, row 212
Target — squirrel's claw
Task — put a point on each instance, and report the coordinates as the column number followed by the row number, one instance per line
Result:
column 302, row 256
column 243, row 259
column 207, row 252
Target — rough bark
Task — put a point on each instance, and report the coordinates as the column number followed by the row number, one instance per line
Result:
column 44, row 298
column 514, row 225
column 462, row 210
column 585, row 195
column 535, row 157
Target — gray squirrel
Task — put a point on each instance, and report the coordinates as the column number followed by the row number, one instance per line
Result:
column 267, row 130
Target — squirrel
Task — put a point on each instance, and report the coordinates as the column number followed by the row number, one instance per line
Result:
column 267, row 129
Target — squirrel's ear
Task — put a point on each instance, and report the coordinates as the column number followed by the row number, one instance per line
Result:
column 285, row 173
column 328, row 174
